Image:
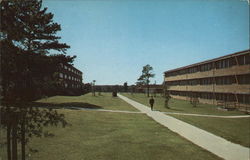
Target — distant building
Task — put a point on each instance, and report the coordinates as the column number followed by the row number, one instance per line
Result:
column 109, row 88
column 220, row 81
column 153, row 88
column 70, row 79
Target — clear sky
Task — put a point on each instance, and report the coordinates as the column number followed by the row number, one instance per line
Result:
column 114, row 39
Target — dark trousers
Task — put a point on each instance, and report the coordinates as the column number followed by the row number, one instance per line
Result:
column 151, row 105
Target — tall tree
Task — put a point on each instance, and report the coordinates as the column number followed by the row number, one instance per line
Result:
column 27, row 34
column 145, row 76
column 125, row 87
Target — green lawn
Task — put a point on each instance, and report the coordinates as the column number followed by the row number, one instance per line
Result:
column 104, row 101
column 234, row 130
column 106, row 136
column 180, row 106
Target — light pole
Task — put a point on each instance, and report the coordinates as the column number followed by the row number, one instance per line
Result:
column 93, row 87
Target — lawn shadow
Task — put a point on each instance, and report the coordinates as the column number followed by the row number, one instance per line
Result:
column 173, row 109
column 68, row 105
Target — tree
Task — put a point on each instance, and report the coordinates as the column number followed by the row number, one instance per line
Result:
column 28, row 33
column 144, row 79
column 87, row 88
column 125, row 87
column 166, row 95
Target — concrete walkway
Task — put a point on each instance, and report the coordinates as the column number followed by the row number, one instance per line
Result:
column 207, row 115
column 202, row 138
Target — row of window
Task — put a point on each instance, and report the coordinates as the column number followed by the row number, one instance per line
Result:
column 242, row 98
column 71, row 69
column 224, row 63
column 65, row 76
column 226, row 80
column 66, row 85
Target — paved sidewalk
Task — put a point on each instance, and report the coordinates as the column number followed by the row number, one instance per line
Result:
column 202, row 138
column 207, row 115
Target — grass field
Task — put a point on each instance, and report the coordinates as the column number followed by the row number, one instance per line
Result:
column 180, row 106
column 104, row 101
column 106, row 136
column 234, row 130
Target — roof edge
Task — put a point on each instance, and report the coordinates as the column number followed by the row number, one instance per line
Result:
column 210, row 60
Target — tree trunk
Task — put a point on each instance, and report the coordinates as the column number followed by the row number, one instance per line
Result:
column 14, row 139
column 23, row 138
column 148, row 89
column 8, row 141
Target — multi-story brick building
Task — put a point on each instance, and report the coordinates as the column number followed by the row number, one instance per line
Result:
column 70, row 78
column 220, row 81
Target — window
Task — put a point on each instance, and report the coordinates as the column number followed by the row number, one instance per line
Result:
column 247, row 58
column 244, row 98
column 225, row 97
column 193, row 69
column 225, row 63
column 244, row 59
column 61, row 75
column 205, row 67
column 219, row 96
column 65, row 85
column 244, row 79
column 182, row 93
column 225, row 80
column 183, row 83
column 194, row 82
column 206, row 81
column 206, row 95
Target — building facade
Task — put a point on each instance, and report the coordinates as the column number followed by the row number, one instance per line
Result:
column 153, row 89
column 221, row 81
column 70, row 79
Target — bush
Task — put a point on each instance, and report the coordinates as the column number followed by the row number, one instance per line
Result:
column 114, row 94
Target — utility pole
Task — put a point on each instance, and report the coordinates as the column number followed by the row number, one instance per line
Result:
column 93, row 87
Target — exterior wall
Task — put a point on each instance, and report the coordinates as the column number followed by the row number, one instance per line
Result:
column 157, row 88
column 234, row 88
column 225, row 79
column 234, row 70
column 70, row 79
column 180, row 97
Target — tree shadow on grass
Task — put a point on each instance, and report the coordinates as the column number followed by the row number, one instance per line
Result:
column 68, row 105
column 174, row 109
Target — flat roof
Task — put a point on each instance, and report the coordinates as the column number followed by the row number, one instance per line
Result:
column 211, row 60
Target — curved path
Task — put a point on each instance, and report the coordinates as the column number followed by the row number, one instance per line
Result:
column 215, row 144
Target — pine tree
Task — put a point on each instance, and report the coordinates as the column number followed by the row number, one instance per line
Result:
column 27, row 39
column 145, row 77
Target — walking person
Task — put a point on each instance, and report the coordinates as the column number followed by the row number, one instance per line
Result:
column 151, row 102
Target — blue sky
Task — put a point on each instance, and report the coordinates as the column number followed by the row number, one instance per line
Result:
column 114, row 39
